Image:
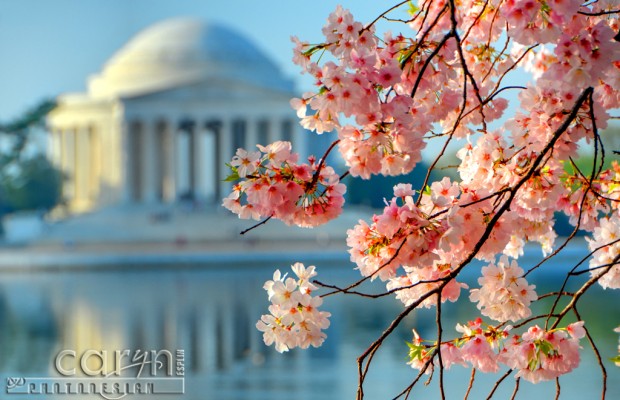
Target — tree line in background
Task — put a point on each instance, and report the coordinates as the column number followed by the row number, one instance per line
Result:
column 28, row 181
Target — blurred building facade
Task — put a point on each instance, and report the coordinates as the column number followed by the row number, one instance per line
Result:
column 165, row 114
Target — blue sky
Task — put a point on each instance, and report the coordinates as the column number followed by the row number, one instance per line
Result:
column 48, row 47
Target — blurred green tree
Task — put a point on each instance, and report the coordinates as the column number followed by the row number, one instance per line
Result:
column 28, row 181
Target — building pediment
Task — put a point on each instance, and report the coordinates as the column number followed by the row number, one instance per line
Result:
column 214, row 90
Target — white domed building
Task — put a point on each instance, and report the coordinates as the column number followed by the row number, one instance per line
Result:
column 169, row 109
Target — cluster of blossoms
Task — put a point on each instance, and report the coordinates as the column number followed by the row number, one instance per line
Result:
column 536, row 355
column 403, row 235
column 504, row 294
column 366, row 83
column 294, row 319
column 272, row 183
column 385, row 95
column 606, row 261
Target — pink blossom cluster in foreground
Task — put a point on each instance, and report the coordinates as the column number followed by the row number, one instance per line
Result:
column 536, row 355
column 504, row 294
column 294, row 319
column 273, row 183
column 385, row 95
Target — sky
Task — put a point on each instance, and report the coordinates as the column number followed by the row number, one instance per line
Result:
column 49, row 47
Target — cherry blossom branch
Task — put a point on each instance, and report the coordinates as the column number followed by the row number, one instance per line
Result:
column 243, row 232
column 571, row 273
column 599, row 13
column 498, row 382
column 486, row 234
column 438, row 351
column 359, row 282
column 514, row 393
column 583, row 290
column 408, row 389
column 428, row 61
column 466, row 71
column 589, row 185
column 499, row 56
column 591, row 269
column 568, row 239
column 476, row 20
column 434, row 164
column 597, row 354
column 528, row 174
column 385, row 13
column 496, row 90
column 470, row 385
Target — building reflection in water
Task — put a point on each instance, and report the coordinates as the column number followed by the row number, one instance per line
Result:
column 209, row 310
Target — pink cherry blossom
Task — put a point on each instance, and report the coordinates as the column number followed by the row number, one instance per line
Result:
column 504, row 294
column 294, row 319
column 306, row 195
column 447, row 78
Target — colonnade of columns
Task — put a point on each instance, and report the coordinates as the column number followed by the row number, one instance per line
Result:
column 185, row 160
column 77, row 152
column 162, row 161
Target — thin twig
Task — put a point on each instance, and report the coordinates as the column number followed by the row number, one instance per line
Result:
column 498, row 382
column 243, row 232
column 471, row 383
column 364, row 279
column 582, row 290
column 484, row 237
column 514, row 393
column 438, row 351
column 600, row 13
column 597, row 354
column 384, row 13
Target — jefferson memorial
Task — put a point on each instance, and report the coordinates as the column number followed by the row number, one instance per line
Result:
column 165, row 114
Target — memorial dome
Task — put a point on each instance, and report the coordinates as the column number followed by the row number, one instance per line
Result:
column 184, row 51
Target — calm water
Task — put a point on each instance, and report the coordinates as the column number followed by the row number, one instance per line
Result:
column 208, row 306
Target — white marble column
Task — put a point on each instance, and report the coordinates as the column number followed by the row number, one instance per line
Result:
column 83, row 167
column 149, row 162
column 263, row 128
column 68, row 163
column 133, row 161
column 209, row 165
column 54, row 150
column 95, row 161
column 251, row 135
column 197, row 162
column 127, row 161
column 182, row 173
column 226, row 152
column 168, row 161
column 299, row 139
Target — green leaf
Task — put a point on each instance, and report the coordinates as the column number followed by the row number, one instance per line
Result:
column 313, row 49
column 413, row 9
column 545, row 347
column 404, row 57
column 416, row 351
column 616, row 359
column 234, row 176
